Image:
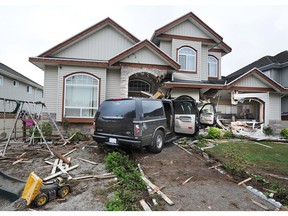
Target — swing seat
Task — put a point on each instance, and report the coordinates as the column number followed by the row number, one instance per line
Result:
column 28, row 122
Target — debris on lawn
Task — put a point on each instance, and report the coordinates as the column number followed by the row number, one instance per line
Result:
column 87, row 161
column 244, row 181
column 260, row 205
column 144, row 205
column 187, row 180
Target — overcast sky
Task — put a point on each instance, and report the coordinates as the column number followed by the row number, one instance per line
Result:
column 27, row 30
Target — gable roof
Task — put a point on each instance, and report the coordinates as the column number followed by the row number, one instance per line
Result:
column 88, row 31
column 199, row 23
column 265, row 62
column 7, row 71
column 152, row 47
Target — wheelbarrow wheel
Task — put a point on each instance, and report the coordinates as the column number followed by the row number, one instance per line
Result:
column 41, row 199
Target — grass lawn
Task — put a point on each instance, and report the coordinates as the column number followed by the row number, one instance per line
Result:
column 272, row 160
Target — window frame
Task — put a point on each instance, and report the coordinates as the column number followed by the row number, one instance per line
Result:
column 15, row 83
column 141, row 80
column 217, row 67
column 29, row 89
column 80, row 118
column 193, row 70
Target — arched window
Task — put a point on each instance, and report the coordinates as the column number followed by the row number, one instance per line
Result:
column 212, row 66
column 187, row 58
column 138, row 85
column 81, row 96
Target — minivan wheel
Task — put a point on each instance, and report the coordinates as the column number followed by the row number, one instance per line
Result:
column 157, row 142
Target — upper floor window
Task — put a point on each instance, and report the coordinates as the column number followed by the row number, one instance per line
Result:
column 187, row 58
column 15, row 83
column 212, row 66
column 29, row 89
column 81, row 96
column 139, row 85
column 1, row 80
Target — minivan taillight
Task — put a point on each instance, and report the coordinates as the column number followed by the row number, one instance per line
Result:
column 137, row 130
column 94, row 126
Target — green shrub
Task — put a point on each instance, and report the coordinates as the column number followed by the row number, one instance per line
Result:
column 284, row 133
column 127, row 193
column 235, row 163
column 79, row 136
column 45, row 127
column 214, row 133
column 268, row 131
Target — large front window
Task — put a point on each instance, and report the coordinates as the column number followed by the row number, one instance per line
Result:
column 212, row 66
column 138, row 85
column 81, row 96
column 187, row 59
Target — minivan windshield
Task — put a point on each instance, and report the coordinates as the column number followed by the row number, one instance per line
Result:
column 117, row 108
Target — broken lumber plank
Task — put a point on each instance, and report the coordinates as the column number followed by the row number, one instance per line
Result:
column 17, row 161
column 182, row 148
column 87, row 161
column 157, row 190
column 268, row 190
column 54, row 166
column 67, row 165
column 260, row 205
column 279, row 177
column 60, row 156
column 145, row 205
column 244, row 181
column 60, row 172
column 18, row 157
column 69, row 152
column 215, row 166
column 68, row 140
column 103, row 176
column 187, row 180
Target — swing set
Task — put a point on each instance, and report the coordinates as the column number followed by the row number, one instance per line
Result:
column 23, row 112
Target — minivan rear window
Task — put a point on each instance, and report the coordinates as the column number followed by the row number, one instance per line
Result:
column 117, row 108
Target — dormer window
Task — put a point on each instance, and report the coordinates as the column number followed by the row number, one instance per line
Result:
column 212, row 67
column 187, row 59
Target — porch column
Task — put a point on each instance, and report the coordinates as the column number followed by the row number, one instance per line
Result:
column 124, row 82
column 261, row 113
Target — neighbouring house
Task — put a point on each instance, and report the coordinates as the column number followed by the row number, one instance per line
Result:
column 183, row 57
column 15, row 86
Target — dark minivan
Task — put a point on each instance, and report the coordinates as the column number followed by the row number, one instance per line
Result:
column 139, row 122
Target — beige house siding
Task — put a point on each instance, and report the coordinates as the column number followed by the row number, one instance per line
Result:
column 204, row 65
column 251, row 81
column 144, row 56
column 187, row 29
column 103, row 45
column 176, row 92
column 51, row 88
column 176, row 44
column 166, row 47
column 274, row 106
column 66, row 70
column 113, row 84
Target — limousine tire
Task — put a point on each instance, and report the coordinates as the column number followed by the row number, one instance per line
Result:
column 157, row 142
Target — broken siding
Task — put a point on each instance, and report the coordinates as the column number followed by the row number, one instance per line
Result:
column 66, row 70
column 251, row 81
column 166, row 47
column 274, row 106
column 144, row 56
column 187, row 28
column 113, row 84
column 51, row 88
column 176, row 44
column 102, row 45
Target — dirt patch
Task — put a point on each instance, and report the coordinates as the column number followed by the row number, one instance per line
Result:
column 206, row 190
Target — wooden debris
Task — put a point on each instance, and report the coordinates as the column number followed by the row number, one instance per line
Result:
column 215, row 166
column 103, row 176
column 284, row 208
column 279, row 177
column 157, row 190
column 91, row 162
column 182, row 148
column 145, row 205
column 54, row 166
column 17, row 161
column 187, row 180
column 69, row 152
column 268, row 190
column 68, row 140
column 260, row 205
column 18, row 157
column 59, row 167
column 60, row 156
column 244, row 181
column 60, row 172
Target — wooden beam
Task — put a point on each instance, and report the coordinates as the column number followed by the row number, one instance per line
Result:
column 244, row 181
column 54, row 166
column 87, row 161
column 145, row 205
column 60, row 156
column 60, row 172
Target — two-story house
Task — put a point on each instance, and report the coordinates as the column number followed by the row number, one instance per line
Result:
column 106, row 61
column 15, row 86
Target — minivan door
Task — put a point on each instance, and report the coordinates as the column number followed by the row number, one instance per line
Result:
column 208, row 114
column 185, row 115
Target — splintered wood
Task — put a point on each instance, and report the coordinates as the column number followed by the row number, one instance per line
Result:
column 154, row 187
